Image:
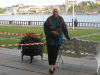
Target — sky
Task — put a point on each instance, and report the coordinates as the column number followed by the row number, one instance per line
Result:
column 6, row 3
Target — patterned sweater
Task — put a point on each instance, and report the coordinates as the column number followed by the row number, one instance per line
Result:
column 55, row 24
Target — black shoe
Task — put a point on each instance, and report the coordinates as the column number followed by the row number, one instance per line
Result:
column 53, row 69
column 51, row 72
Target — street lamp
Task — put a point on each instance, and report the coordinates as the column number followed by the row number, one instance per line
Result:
column 73, row 14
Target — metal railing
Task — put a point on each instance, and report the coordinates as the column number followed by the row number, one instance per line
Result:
column 40, row 23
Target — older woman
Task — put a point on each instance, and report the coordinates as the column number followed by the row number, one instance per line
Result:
column 53, row 28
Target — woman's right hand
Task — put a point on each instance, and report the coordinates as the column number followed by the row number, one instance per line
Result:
column 54, row 32
column 71, row 39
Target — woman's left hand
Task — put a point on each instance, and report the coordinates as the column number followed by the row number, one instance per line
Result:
column 71, row 39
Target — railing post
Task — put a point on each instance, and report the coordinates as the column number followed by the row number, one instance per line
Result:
column 29, row 23
column 82, row 24
column 97, row 24
column 79, row 24
column 69, row 24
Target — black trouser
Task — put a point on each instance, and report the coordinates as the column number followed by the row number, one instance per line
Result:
column 52, row 53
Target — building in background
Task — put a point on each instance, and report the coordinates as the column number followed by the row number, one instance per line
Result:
column 37, row 9
column 48, row 9
column 11, row 10
column 23, row 11
column 97, row 1
column 63, row 9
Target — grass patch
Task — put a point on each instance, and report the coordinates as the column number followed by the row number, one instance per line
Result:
column 81, row 32
column 7, row 41
column 7, row 36
column 19, row 38
column 39, row 30
column 21, row 30
column 73, row 55
column 91, row 39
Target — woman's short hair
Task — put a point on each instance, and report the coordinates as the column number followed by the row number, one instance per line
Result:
column 56, row 8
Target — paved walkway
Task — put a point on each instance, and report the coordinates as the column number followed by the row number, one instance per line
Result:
column 11, row 64
column 87, row 35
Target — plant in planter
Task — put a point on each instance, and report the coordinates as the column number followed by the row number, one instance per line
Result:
column 31, row 50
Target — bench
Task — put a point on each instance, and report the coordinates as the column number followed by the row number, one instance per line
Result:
column 81, row 47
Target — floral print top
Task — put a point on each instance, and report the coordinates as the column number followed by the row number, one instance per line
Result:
column 55, row 25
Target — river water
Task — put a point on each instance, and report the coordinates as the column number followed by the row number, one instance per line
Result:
column 43, row 17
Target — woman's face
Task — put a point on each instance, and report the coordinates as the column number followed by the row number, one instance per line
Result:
column 55, row 12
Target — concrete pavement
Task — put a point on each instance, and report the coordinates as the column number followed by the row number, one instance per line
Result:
column 11, row 64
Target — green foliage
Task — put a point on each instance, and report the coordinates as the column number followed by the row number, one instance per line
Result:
column 73, row 55
column 85, row 8
column 1, row 11
column 87, row 2
column 30, row 39
column 14, row 5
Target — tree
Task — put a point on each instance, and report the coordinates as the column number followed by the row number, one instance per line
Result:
column 84, row 8
column 1, row 11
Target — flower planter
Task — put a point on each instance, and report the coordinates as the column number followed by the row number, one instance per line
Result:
column 31, row 50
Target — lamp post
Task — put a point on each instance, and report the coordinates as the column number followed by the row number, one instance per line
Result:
column 73, row 14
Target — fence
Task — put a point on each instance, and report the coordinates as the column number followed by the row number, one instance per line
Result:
column 40, row 23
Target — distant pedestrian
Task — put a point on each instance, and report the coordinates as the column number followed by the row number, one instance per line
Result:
column 76, row 22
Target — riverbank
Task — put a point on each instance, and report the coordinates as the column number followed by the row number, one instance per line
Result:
column 4, row 14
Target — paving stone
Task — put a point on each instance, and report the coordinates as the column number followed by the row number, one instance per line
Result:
column 57, row 71
column 25, row 59
column 41, row 63
column 22, row 72
column 25, row 66
column 7, row 56
column 81, row 68
column 3, row 61
column 85, row 59
column 4, row 69
column 1, row 74
column 44, row 70
column 64, row 72
column 74, row 62
column 11, row 64
column 90, row 64
column 80, row 73
column 10, row 51
column 62, row 66
column 89, row 57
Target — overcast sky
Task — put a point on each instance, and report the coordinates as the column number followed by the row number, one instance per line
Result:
column 4, row 3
